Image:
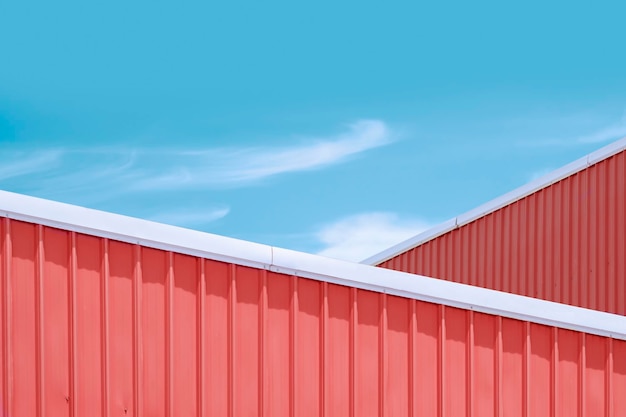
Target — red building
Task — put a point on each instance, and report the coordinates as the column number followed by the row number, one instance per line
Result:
column 561, row 238
column 105, row 315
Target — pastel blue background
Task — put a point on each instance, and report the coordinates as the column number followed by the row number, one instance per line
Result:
column 331, row 127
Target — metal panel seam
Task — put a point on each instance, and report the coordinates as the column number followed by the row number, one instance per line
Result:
column 498, row 410
column 263, row 377
column 137, row 331
column 352, row 348
column 73, row 271
column 412, row 356
column 324, row 352
column 232, row 300
column 441, row 363
column 105, row 327
column 554, row 371
column 608, row 378
column 469, row 358
column 201, row 332
column 582, row 367
column 526, row 370
column 169, row 336
column 293, row 325
column 39, row 325
column 382, row 358
column 8, row 313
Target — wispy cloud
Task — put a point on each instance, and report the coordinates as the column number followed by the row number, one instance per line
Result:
column 17, row 164
column 190, row 217
column 98, row 173
column 152, row 181
column 606, row 134
column 603, row 134
column 357, row 237
column 240, row 166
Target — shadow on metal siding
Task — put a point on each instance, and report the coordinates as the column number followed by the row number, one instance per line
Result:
column 103, row 328
column 564, row 243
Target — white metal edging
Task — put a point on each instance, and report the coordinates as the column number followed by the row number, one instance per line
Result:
column 133, row 230
column 205, row 245
column 449, row 293
column 499, row 202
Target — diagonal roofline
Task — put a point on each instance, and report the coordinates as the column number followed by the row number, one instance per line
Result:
column 205, row 245
column 499, row 202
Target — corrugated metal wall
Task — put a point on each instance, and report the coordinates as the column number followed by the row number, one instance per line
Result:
column 93, row 327
column 564, row 243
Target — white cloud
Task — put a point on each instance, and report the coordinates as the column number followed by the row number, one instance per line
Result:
column 16, row 164
column 357, row 237
column 608, row 133
column 237, row 166
column 190, row 217
column 91, row 175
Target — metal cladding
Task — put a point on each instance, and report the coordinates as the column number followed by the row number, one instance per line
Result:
column 92, row 326
column 564, row 243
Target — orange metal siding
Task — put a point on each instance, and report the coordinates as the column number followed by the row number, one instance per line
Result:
column 97, row 327
column 564, row 243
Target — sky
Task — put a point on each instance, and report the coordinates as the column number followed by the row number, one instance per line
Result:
column 338, row 128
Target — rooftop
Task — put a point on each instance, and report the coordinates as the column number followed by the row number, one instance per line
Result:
column 499, row 202
column 205, row 245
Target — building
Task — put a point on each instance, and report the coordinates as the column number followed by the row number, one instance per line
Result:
column 561, row 238
column 105, row 315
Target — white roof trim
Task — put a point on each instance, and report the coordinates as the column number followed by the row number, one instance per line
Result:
column 316, row 267
column 499, row 202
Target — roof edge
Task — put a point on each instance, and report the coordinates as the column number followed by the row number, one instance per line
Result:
column 205, row 245
column 499, row 202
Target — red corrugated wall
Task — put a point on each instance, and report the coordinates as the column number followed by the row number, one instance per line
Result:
column 94, row 327
column 564, row 243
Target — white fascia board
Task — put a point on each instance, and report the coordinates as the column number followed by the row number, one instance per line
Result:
column 605, row 152
column 523, row 191
column 133, row 230
column 499, row 202
column 448, row 293
column 209, row 246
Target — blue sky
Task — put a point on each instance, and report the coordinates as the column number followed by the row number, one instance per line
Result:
column 337, row 128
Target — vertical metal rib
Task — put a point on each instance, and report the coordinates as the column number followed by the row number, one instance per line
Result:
column 324, row 352
column 382, row 357
column 469, row 366
column 293, row 326
column 72, row 330
column 609, row 378
column 352, row 347
column 412, row 355
column 169, row 339
column 6, row 326
column 201, row 330
column 232, row 300
column 105, row 327
column 39, row 325
column 263, row 392
column 526, row 371
column 498, row 368
column 137, row 333
column 441, row 340
column 582, row 366
column 554, row 383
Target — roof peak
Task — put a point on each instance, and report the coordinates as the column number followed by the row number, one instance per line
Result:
column 220, row 248
column 499, row 202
